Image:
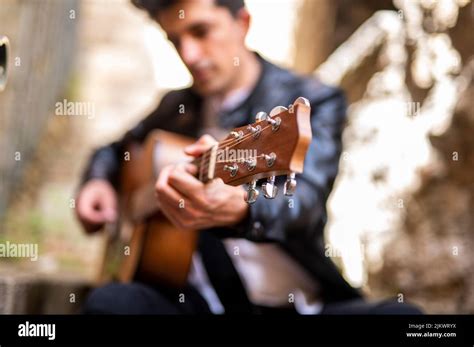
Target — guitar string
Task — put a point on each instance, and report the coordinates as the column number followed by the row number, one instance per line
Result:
column 236, row 142
column 221, row 145
column 204, row 157
column 207, row 162
column 230, row 140
column 225, row 142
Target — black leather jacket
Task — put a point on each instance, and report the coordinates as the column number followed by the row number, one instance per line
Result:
column 299, row 230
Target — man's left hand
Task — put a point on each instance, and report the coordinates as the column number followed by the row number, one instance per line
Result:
column 190, row 204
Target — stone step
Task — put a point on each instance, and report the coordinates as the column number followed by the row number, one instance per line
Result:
column 33, row 293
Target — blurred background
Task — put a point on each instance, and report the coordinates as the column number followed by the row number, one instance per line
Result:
column 402, row 210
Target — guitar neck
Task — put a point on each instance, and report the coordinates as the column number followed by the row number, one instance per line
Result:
column 205, row 164
column 223, row 153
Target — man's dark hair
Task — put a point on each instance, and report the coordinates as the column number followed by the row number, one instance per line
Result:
column 153, row 7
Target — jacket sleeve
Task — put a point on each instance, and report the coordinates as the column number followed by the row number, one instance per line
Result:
column 287, row 219
column 105, row 161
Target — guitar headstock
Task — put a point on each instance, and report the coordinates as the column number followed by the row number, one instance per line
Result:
column 275, row 144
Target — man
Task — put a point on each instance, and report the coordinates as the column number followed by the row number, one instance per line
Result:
column 280, row 266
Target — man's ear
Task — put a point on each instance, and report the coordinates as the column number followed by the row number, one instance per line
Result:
column 243, row 18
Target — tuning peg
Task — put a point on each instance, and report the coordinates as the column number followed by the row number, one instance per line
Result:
column 255, row 131
column 237, row 134
column 251, row 163
column 232, row 169
column 261, row 116
column 252, row 192
column 277, row 109
column 290, row 184
column 275, row 123
column 270, row 159
column 269, row 188
column 302, row 101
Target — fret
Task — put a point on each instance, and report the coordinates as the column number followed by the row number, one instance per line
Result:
column 212, row 162
column 206, row 164
column 201, row 167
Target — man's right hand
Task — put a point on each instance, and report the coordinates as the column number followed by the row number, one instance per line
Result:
column 96, row 205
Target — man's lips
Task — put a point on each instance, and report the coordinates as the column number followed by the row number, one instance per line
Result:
column 202, row 74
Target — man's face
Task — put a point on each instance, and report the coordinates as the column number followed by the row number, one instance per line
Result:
column 208, row 39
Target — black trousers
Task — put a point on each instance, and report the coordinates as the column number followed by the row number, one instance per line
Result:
column 138, row 298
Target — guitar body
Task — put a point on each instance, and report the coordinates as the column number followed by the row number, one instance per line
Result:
column 144, row 245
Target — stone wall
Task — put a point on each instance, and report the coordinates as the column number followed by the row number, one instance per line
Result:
column 42, row 39
column 401, row 211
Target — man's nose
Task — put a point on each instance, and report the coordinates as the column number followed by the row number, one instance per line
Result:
column 190, row 51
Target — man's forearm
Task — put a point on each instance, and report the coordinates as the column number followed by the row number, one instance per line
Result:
column 104, row 164
column 274, row 220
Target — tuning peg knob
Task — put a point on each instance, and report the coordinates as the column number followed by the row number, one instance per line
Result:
column 269, row 189
column 302, row 101
column 261, row 116
column 252, row 192
column 290, row 184
column 277, row 110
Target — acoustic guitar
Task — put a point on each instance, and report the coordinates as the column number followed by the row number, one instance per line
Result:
column 143, row 244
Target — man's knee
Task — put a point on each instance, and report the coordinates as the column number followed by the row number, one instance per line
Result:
column 361, row 306
column 133, row 298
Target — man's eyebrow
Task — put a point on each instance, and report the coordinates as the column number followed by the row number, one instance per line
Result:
column 190, row 28
column 197, row 26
